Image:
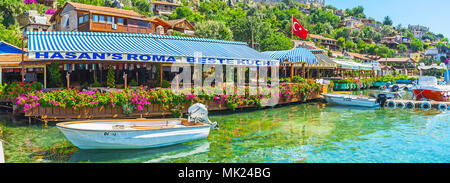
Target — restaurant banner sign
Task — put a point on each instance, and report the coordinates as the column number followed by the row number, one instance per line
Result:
column 149, row 58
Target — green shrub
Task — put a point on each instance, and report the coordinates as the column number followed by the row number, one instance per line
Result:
column 133, row 83
column 96, row 84
column 165, row 84
column 85, row 84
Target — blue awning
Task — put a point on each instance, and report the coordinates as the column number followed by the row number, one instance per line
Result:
column 296, row 55
column 142, row 47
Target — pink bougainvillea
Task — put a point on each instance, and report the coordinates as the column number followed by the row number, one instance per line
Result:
column 50, row 11
column 30, row 1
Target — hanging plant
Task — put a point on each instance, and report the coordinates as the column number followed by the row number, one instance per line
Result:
column 127, row 108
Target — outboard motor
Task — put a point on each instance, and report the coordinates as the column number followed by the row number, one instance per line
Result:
column 381, row 99
column 388, row 84
column 395, row 88
column 199, row 113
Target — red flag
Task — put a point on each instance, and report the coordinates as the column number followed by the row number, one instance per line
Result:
column 298, row 29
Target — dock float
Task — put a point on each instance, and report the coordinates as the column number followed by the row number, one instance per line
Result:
column 420, row 104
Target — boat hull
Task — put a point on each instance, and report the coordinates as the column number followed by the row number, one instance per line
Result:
column 350, row 101
column 133, row 139
column 435, row 95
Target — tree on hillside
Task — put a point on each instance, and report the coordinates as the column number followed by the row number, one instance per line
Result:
column 341, row 42
column 342, row 32
column 417, row 45
column 402, row 47
column 143, row 7
column 356, row 12
column 11, row 34
column 276, row 42
column 430, row 36
column 388, row 30
column 387, row 21
column 186, row 12
column 320, row 16
column 350, row 45
column 214, row 30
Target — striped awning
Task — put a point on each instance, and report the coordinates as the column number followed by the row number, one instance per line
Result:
column 142, row 47
column 296, row 55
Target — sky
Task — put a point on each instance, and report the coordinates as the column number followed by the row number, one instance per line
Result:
column 431, row 13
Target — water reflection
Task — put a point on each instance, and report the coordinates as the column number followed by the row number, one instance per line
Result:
column 152, row 155
column 311, row 132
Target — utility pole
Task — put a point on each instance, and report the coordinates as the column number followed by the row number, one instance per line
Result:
column 21, row 63
column 251, row 29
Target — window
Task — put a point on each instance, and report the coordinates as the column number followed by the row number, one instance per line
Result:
column 108, row 19
column 80, row 20
column 66, row 21
column 86, row 18
column 101, row 19
column 149, row 25
column 141, row 24
column 95, row 18
column 120, row 21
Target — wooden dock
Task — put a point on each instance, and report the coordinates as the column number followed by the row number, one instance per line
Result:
column 418, row 104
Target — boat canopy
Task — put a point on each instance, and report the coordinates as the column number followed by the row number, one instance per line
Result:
column 353, row 65
column 325, row 62
column 142, row 48
column 296, row 55
column 422, row 66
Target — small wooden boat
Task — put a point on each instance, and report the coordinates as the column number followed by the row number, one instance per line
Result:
column 138, row 133
column 132, row 134
column 350, row 100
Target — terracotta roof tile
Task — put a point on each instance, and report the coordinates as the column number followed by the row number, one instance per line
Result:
column 80, row 6
column 320, row 37
column 395, row 59
column 165, row 3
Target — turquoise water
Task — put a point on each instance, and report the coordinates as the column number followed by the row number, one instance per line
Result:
column 311, row 133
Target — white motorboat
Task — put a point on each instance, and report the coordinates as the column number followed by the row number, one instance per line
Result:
column 138, row 133
column 350, row 100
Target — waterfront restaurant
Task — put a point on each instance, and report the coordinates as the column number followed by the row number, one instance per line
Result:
column 11, row 66
column 292, row 60
column 84, row 56
column 349, row 69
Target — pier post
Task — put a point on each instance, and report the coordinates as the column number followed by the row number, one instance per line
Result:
column 2, row 156
column 68, row 80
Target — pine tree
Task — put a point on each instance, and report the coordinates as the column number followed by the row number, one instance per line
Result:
column 110, row 79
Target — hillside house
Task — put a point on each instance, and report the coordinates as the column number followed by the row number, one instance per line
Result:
column 418, row 31
column 88, row 18
column 31, row 20
column 351, row 23
column 182, row 25
column 390, row 42
column 163, row 7
column 403, row 65
column 329, row 43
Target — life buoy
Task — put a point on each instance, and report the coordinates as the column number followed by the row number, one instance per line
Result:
column 443, row 107
column 400, row 105
column 391, row 104
column 410, row 105
column 425, row 106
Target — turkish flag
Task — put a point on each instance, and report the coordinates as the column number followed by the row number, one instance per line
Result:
column 298, row 29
